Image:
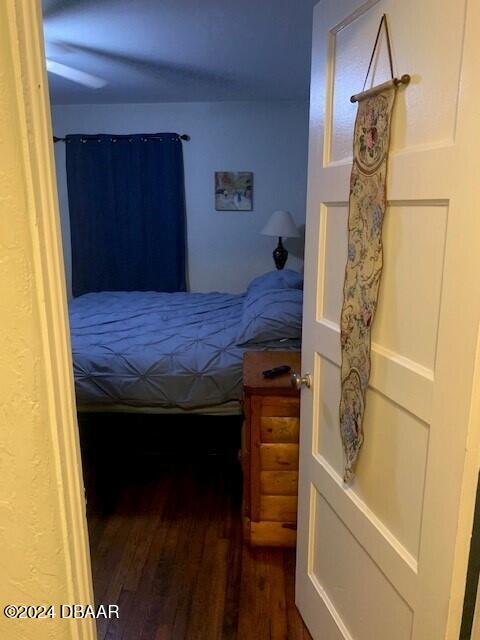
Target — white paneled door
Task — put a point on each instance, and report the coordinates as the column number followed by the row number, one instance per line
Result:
column 384, row 559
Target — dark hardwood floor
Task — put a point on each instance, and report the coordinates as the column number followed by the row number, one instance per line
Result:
column 166, row 536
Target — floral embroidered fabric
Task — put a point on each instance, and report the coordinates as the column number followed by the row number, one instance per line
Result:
column 364, row 263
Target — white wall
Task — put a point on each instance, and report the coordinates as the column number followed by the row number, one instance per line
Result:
column 225, row 249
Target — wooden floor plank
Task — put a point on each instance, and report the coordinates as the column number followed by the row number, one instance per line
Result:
column 169, row 552
column 189, row 566
column 278, row 605
column 173, row 609
column 247, row 618
column 232, row 588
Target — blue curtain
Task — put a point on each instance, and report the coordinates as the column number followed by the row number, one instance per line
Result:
column 126, row 198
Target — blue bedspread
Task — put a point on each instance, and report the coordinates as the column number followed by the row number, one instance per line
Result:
column 158, row 349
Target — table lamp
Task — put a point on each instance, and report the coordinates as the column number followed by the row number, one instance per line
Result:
column 281, row 225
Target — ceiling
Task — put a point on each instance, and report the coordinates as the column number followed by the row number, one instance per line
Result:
column 181, row 50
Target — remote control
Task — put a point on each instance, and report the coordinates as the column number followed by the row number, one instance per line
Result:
column 276, row 371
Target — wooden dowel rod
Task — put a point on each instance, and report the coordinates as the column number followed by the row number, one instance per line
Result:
column 405, row 79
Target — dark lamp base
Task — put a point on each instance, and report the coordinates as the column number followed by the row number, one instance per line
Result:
column 280, row 255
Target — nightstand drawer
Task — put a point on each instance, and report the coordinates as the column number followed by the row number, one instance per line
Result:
column 278, row 508
column 279, row 429
column 279, row 483
column 272, row 534
column 278, row 457
column 278, row 407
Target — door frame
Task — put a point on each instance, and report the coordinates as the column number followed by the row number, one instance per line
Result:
column 25, row 25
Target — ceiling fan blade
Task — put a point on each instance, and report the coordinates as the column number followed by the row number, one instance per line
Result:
column 55, row 48
column 75, row 75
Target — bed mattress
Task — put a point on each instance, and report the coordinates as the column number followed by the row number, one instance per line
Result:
column 149, row 349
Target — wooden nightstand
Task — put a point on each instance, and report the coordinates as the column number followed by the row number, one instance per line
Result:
column 270, row 450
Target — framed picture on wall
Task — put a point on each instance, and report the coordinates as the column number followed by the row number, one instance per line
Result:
column 233, row 191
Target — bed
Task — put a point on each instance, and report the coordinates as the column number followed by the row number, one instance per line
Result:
column 178, row 352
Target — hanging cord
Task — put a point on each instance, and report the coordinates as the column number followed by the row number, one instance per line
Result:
column 383, row 22
column 405, row 79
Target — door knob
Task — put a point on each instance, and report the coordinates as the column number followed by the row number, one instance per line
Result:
column 299, row 381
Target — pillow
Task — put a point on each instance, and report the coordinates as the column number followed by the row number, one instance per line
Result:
column 271, row 315
column 278, row 279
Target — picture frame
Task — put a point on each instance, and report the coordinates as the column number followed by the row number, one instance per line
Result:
column 233, row 190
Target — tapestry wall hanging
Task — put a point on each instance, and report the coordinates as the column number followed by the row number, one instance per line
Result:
column 367, row 204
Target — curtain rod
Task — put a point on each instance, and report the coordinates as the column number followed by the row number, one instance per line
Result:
column 183, row 136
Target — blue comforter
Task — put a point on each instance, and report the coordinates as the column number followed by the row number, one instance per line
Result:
column 158, row 349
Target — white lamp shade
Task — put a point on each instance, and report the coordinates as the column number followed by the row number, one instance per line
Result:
column 281, row 224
